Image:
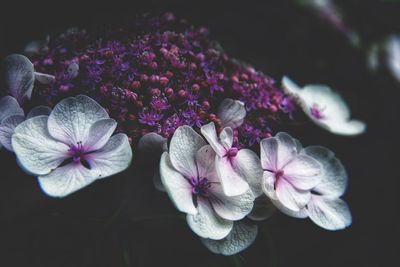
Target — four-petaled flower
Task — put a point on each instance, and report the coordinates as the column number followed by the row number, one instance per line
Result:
column 324, row 107
column 72, row 147
column 189, row 175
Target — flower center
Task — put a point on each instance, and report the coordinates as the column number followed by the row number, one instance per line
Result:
column 316, row 112
column 77, row 152
column 232, row 152
column 200, row 187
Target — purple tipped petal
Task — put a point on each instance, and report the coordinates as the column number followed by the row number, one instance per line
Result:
column 240, row 238
column 71, row 119
column 7, row 129
column 19, row 76
column 36, row 150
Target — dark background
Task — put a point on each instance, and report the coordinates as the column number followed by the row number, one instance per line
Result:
column 99, row 225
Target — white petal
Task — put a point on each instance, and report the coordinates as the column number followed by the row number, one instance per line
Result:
column 72, row 118
column 287, row 148
column 268, row 184
column 352, row 127
column 7, row 128
column 99, row 134
column 73, row 70
column 240, row 238
column 301, row 214
column 231, row 113
column 249, row 167
column 291, row 197
column 334, row 176
column 66, row 180
column 157, row 180
column 303, row 172
column 290, row 87
column 39, row 110
column 263, row 209
column 18, row 76
column 277, row 151
column 183, row 149
column 226, row 137
column 210, row 133
column 329, row 213
column 36, row 150
column 205, row 159
column 231, row 180
column 44, row 78
column 36, row 47
column 393, row 55
column 8, row 107
column 207, row 224
column 177, row 186
column 269, row 153
column 153, row 142
column 114, row 157
column 231, row 208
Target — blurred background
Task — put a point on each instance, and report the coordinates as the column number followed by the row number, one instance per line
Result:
column 124, row 221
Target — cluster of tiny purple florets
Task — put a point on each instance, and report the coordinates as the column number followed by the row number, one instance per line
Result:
column 158, row 74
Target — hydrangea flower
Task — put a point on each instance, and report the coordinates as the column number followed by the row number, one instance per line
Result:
column 324, row 107
column 325, row 207
column 72, row 147
column 189, row 175
column 289, row 175
column 237, row 169
column 321, row 202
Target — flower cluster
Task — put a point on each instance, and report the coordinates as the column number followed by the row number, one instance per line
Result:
column 159, row 80
column 158, row 74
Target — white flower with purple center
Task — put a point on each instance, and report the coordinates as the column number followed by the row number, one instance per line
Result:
column 237, row 169
column 324, row 107
column 72, row 147
column 289, row 175
column 189, row 175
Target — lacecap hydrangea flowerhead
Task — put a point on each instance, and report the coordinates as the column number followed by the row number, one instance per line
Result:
column 162, row 85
